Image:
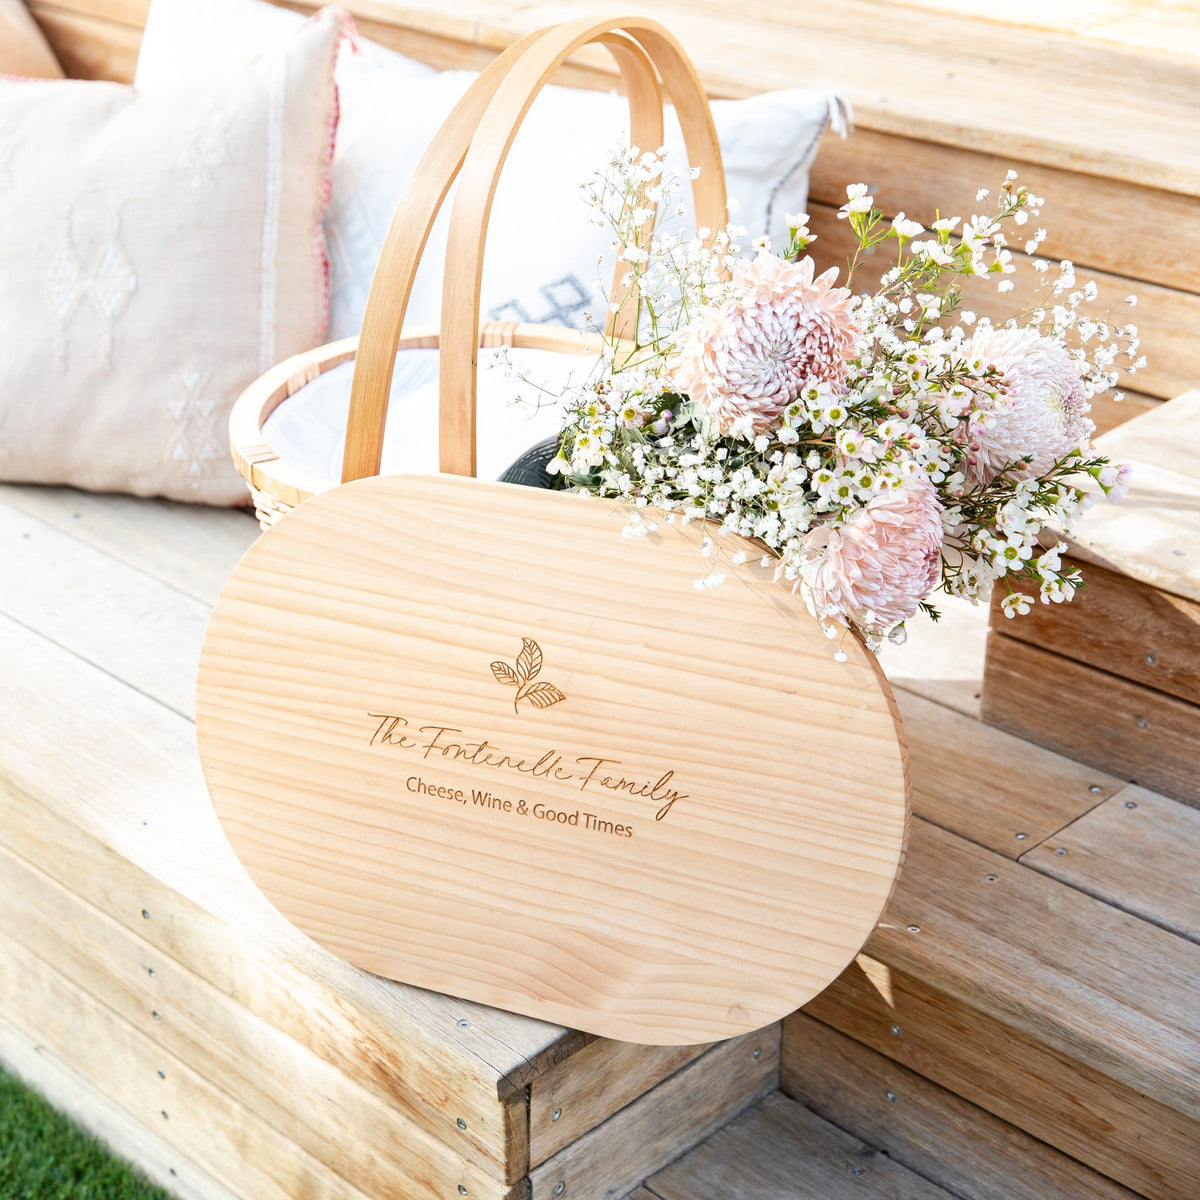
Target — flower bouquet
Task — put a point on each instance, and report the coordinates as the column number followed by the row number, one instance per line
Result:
column 878, row 446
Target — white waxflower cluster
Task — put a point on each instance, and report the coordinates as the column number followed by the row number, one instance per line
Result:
column 875, row 446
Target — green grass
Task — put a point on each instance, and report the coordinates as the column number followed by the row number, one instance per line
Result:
column 43, row 1156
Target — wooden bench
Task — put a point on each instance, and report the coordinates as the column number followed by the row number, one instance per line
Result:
column 1023, row 1024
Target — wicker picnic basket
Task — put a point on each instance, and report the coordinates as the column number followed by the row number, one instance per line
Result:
column 278, row 486
column 467, row 736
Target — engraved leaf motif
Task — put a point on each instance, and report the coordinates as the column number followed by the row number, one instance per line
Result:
column 529, row 661
column 544, row 694
column 505, row 674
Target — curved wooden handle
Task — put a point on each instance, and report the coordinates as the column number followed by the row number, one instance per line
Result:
column 475, row 139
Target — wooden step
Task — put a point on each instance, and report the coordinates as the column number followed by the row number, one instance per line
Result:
column 781, row 1150
column 1045, row 1006
column 1114, row 677
column 126, row 923
column 924, row 1127
column 1052, row 991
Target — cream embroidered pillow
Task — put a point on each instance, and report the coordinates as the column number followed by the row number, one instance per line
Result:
column 159, row 252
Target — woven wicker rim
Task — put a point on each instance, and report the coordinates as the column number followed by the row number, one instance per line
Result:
column 285, row 485
column 471, row 147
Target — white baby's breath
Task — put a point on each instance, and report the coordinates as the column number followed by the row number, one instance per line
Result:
column 862, row 484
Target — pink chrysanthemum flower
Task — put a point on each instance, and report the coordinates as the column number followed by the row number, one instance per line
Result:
column 751, row 357
column 877, row 567
column 1041, row 410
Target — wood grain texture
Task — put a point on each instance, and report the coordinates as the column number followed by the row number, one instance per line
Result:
column 354, row 1133
column 964, row 780
column 702, row 905
column 1065, row 969
column 88, row 47
column 1137, row 851
column 1115, row 1129
column 1153, row 535
column 1135, row 732
column 23, row 1056
column 124, row 823
column 1096, row 222
column 657, row 1127
column 578, row 1094
column 1165, row 316
column 924, row 1127
column 245, row 1154
column 191, row 548
column 1121, row 626
column 1034, row 1001
column 23, row 48
column 781, row 1149
column 1037, row 97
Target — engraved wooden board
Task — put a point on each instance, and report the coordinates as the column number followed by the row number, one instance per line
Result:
column 468, row 736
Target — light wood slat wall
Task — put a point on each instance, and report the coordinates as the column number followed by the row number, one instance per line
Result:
column 1131, row 224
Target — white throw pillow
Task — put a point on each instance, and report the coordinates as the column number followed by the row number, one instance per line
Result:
column 541, row 257
column 159, row 253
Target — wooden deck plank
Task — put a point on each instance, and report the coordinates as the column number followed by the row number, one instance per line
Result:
column 1049, row 1008
column 781, row 1149
column 1165, row 316
column 247, row 1155
column 88, row 47
column 123, row 820
column 1115, row 1129
column 1133, row 538
column 1134, row 731
column 189, row 547
column 1121, row 626
column 121, row 1132
column 647, row 1134
column 899, row 83
column 115, row 617
column 1138, row 851
column 1058, row 964
column 354, row 1132
column 576, row 1096
column 989, row 786
column 1094, row 221
column 928, row 1129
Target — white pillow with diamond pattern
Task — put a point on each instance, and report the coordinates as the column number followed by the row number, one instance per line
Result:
column 159, row 252
column 541, row 256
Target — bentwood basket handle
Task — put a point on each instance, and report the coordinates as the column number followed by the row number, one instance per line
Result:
column 472, row 145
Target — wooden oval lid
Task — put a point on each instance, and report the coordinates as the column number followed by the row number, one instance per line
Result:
column 467, row 736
